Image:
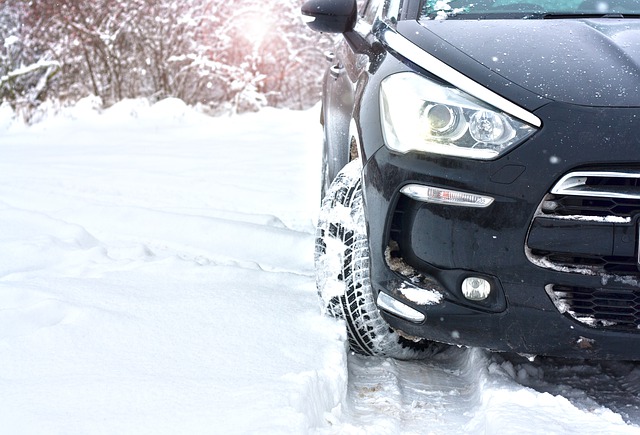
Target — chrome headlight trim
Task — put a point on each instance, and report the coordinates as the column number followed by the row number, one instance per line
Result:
column 415, row 54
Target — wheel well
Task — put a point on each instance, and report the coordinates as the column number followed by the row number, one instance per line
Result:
column 354, row 143
column 353, row 149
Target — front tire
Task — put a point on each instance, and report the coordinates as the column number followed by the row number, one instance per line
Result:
column 342, row 272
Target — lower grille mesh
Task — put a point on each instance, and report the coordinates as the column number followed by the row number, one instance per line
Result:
column 613, row 308
column 588, row 224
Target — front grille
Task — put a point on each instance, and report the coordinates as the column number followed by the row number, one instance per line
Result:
column 613, row 308
column 587, row 204
column 567, row 205
column 588, row 224
column 586, row 264
column 602, row 184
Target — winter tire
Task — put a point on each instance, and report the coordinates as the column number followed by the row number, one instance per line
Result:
column 342, row 271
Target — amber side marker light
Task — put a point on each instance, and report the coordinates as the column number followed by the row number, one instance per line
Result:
column 436, row 195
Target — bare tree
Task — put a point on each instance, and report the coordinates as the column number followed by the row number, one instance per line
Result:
column 218, row 53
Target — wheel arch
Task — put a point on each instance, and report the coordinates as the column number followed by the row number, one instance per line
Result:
column 337, row 138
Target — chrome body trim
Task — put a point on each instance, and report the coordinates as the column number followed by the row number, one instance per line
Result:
column 417, row 55
column 575, row 184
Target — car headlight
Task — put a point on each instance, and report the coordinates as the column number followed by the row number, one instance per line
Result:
column 421, row 115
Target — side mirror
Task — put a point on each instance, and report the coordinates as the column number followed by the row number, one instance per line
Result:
column 330, row 16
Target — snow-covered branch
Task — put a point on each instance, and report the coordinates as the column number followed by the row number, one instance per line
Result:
column 202, row 51
column 41, row 64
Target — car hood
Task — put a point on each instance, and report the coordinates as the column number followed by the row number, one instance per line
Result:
column 592, row 62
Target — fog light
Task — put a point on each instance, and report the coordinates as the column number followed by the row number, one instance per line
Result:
column 476, row 289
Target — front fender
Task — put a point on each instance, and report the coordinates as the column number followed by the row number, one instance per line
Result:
column 337, row 112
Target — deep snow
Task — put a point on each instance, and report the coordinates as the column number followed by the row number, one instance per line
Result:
column 156, row 276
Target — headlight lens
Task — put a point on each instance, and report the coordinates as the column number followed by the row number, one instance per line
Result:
column 419, row 114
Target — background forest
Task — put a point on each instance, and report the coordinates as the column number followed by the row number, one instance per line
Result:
column 226, row 55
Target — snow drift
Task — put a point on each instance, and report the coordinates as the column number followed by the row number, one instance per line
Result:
column 156, row 276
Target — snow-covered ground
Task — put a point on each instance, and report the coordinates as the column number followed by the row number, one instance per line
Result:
column 156, row 277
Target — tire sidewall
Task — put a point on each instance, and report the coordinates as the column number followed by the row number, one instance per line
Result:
column 343, row 270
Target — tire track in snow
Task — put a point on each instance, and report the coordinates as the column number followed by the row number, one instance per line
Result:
column 263, row 245
column 387, row 396
column 473, row 391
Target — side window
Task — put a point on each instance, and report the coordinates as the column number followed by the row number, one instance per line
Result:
column 362, row 5
column 370, row 10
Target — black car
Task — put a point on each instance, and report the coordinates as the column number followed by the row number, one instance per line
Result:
column 481, row 175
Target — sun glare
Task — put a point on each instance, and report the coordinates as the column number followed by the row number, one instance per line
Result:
column 257, row 29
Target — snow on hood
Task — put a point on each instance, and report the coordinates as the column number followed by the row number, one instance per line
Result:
column 592, row 62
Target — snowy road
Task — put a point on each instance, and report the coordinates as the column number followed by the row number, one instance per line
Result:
column 156, row 277
column 474, row 391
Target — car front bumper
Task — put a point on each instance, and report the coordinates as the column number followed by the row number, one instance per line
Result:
column 434, row 247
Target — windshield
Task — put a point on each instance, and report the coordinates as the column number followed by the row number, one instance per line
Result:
column 490, row 9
